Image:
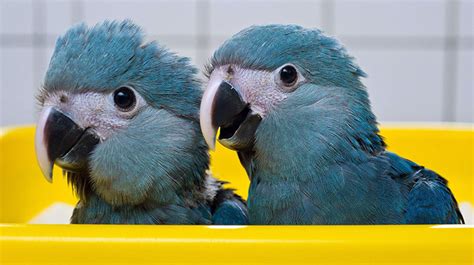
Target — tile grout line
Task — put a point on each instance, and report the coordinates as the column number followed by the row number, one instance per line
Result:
column 327, row 16
column 77, row 11
column 38, row 41
column 202, row 29
column 450, row 61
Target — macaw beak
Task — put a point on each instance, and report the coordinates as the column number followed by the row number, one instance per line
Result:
column 60, row 140
column 222, row 107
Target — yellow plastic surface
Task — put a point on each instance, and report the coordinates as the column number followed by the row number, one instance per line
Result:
column 24, row 193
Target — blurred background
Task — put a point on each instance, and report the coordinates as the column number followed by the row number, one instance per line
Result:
column 418, row 54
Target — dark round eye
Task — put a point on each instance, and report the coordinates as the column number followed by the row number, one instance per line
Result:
column 124, row 98
column 288, row 75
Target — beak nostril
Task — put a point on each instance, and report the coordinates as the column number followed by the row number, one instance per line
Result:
column 63, row 98
column 230, row 71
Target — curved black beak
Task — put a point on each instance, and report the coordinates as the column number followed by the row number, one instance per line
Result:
column 62, row 141
column 223, row 107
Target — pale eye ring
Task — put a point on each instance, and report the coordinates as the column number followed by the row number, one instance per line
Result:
column 288, row 77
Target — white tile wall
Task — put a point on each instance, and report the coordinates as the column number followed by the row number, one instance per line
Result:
column 16, row 17
column 401, row 44
column 2, row 91
column 203, row 57
column 466, row 14
column 157, row 17
column 17, row 102
column 390, row 18
column 42, row 62
column 465, row 85
column 215, row 42
column 184, row 46
column 228, row 17
column 404, row 85
column 58, row 17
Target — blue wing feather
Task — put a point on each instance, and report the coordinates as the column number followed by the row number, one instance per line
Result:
column 429, row 199
column 229, row 209
column 431, row 202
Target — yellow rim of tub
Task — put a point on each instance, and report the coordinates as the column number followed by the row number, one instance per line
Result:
column 446, row 148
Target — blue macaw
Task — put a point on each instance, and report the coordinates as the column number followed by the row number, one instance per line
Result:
column 120, row 117
column 291, row 102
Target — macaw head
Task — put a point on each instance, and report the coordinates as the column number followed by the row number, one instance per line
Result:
column 284, row 86
column 120, row 115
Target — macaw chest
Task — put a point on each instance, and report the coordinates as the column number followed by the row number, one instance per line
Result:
column 293, row 202
column 279, row 202
column 99, row 212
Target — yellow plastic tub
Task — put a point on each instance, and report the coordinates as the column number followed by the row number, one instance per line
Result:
column 24, row 193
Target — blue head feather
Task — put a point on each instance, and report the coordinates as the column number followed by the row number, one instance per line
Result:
column 113, row 54
column 323, row 59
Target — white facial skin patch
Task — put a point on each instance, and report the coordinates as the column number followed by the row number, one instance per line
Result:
column 93, row 110
column 261, row 90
